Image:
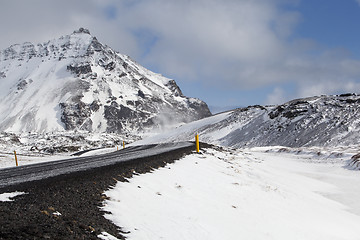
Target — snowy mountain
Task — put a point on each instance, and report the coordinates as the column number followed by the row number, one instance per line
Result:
column 315, row 121
column 77, row 83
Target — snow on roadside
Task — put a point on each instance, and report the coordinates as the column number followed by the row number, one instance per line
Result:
column 106, row 236
column 8, row 159
column 7, row 197
column 37, row 147
column 239, row 195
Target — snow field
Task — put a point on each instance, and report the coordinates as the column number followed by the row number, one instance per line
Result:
column 247, row 194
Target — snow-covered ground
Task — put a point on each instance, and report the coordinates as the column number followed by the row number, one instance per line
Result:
column 262, row 193
column 7, row 159
column 34, row 148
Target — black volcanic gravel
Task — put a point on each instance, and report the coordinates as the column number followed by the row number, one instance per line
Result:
column 78, row 197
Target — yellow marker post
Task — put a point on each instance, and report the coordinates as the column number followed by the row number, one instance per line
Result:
column 123, row 144
column 117, row 148
column 197, row 143
column 16, row 161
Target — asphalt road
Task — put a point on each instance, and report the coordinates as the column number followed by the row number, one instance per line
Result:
column 16, row 175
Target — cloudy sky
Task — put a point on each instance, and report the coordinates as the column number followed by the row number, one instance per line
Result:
column 225, row 52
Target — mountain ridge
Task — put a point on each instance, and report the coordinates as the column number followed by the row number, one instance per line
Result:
column 75, row 83
column 324, row 121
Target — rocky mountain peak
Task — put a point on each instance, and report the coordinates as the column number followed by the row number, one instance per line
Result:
column 77, row 44
column 77, row 83
column 82, row 30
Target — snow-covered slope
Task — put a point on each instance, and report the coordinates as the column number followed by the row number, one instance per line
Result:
column 241, row 194
column 77, row 83
column 316, row 121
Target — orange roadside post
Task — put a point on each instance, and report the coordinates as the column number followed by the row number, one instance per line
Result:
column 197, row 143
column 16, row 161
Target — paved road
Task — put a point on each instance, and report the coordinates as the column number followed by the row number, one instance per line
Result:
column 15, row 175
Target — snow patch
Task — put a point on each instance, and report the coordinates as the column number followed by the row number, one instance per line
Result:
column 8, row 197
column 106, row 236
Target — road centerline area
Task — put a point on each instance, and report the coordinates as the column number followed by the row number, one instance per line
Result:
column 16, row 175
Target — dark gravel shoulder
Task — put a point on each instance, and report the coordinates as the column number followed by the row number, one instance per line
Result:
column 77, row 197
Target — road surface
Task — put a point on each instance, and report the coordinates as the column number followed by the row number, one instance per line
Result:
column 16, row 175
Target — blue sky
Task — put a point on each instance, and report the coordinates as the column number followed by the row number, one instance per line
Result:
column 226, row 52
column 332, row 23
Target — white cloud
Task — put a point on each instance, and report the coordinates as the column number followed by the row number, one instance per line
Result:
column 196, row 38
column 239, row 43
column 211, row 38
column 276, row 97
column 328, row 87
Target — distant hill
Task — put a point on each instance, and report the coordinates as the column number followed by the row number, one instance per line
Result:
column 315, row 121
